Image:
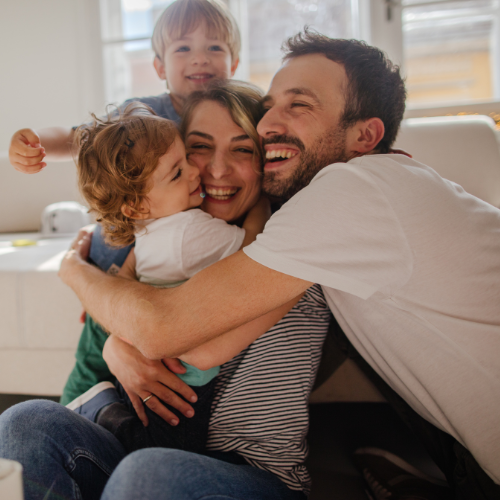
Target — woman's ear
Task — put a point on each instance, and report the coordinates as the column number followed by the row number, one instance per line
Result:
column 129, row 211
column 160, row 68
column 365, row 135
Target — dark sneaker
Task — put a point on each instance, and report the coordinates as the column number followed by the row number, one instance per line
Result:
column 389, row 477
column 90, row 403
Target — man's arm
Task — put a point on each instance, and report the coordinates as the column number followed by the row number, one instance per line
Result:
column 165, row 323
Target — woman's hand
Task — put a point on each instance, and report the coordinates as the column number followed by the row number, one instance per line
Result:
column 142, row 377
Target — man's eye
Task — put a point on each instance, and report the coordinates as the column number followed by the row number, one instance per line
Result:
column 299, row 105
column 178, row 174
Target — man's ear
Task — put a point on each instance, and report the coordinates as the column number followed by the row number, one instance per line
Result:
column 365, row 135
column 160, row 68
column 234, row 67
column 131, row 213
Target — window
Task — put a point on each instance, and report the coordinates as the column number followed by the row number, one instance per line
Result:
column 451, row 51
column 126, row 29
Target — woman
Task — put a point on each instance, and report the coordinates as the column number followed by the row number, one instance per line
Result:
column 256, row 444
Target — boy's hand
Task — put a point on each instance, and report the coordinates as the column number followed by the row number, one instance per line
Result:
column 26, row 153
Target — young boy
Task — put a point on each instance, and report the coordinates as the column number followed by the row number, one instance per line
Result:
column 195, row 42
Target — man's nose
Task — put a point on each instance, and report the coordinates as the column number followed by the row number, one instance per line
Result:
column 271, row 123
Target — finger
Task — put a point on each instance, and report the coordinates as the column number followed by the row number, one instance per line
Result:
column 174, row 365
column 28, row 160
column 176, row 384
column 154, row 404
column 29, row 136
column 83, row 316
column 28, row 170
column 174, row 400
column 139, row 408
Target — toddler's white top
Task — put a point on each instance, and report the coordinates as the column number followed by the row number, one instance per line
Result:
column 172, row 249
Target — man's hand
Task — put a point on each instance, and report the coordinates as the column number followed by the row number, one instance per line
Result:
column 26, row 153
column 142, row 377
column 78, row 251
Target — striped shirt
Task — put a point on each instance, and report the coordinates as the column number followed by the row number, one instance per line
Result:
column 260, row 407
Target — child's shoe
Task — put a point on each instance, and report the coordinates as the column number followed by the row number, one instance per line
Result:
column 90, row 403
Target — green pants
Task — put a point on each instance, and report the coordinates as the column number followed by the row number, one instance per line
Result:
column 90, row 367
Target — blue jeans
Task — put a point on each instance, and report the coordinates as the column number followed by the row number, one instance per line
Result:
column 66, row 457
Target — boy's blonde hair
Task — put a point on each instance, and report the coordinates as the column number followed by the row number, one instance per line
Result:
column 241, row 99
column 184, row 16
column 116, row 158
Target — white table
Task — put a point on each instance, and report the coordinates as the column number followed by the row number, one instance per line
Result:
column 39, row 317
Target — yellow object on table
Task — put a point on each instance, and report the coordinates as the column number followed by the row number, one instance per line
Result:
column 23, row 243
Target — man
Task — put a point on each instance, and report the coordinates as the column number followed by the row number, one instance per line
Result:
column 409, row 262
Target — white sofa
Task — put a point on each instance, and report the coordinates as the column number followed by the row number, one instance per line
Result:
column 39, row 326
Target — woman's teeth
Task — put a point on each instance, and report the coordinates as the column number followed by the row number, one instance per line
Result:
column 279, row 154
column 220, row 193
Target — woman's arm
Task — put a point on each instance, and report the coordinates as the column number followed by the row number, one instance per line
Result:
column 217, row 351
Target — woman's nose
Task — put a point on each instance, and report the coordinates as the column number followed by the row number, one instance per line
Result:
column 271, row 123
column 219, row 167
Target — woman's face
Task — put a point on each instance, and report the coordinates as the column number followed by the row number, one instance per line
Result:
column 224, row 154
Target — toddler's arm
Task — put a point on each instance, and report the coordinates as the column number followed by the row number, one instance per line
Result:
column 217, row 351
column 255, row 220
column 29, row 149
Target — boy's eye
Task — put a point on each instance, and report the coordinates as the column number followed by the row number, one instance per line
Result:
column 178, row 174
column 216, row 48
column 184, row 48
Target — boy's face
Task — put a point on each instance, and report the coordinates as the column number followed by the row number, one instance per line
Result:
column 175, row 185
column 193, row 61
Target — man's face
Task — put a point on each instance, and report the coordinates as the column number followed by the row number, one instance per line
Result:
column 301, row 130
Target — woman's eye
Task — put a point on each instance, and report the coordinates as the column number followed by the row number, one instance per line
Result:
column 244, row 150
column 178, row 174
column 199, row 146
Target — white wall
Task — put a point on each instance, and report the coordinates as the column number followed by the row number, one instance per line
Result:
column 50, row 64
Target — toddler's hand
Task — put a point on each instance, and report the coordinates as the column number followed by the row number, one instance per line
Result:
column 26, row 154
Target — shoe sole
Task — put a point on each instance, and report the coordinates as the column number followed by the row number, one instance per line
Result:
column 87, row 396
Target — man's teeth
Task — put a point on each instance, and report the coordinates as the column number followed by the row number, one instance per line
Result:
column 276, row 153
column 220, row 193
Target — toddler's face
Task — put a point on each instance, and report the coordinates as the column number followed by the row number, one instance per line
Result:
column 175, row 184
column 191, row 62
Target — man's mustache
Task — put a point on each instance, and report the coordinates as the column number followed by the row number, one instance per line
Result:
column 284, row 139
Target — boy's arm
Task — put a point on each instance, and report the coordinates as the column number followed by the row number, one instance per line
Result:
column 217, row 351
column 29, row 149
column 255, row 220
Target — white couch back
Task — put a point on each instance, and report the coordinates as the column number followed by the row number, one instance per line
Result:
column 23, row 197
column 463, row 149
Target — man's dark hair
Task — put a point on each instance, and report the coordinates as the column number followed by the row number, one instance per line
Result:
column 375, row 89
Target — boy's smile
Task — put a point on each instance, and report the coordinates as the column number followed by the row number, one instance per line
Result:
column 194, row 60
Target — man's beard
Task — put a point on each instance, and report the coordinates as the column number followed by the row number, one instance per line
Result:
column 328, row 149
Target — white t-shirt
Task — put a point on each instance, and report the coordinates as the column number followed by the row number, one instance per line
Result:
column 173, row 249
column 410, row 267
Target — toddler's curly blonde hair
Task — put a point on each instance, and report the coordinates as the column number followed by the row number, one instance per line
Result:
column 116, row 158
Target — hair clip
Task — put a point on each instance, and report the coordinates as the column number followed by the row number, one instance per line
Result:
column 129, row 143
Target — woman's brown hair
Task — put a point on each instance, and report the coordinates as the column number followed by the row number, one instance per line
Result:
column 116, row 158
